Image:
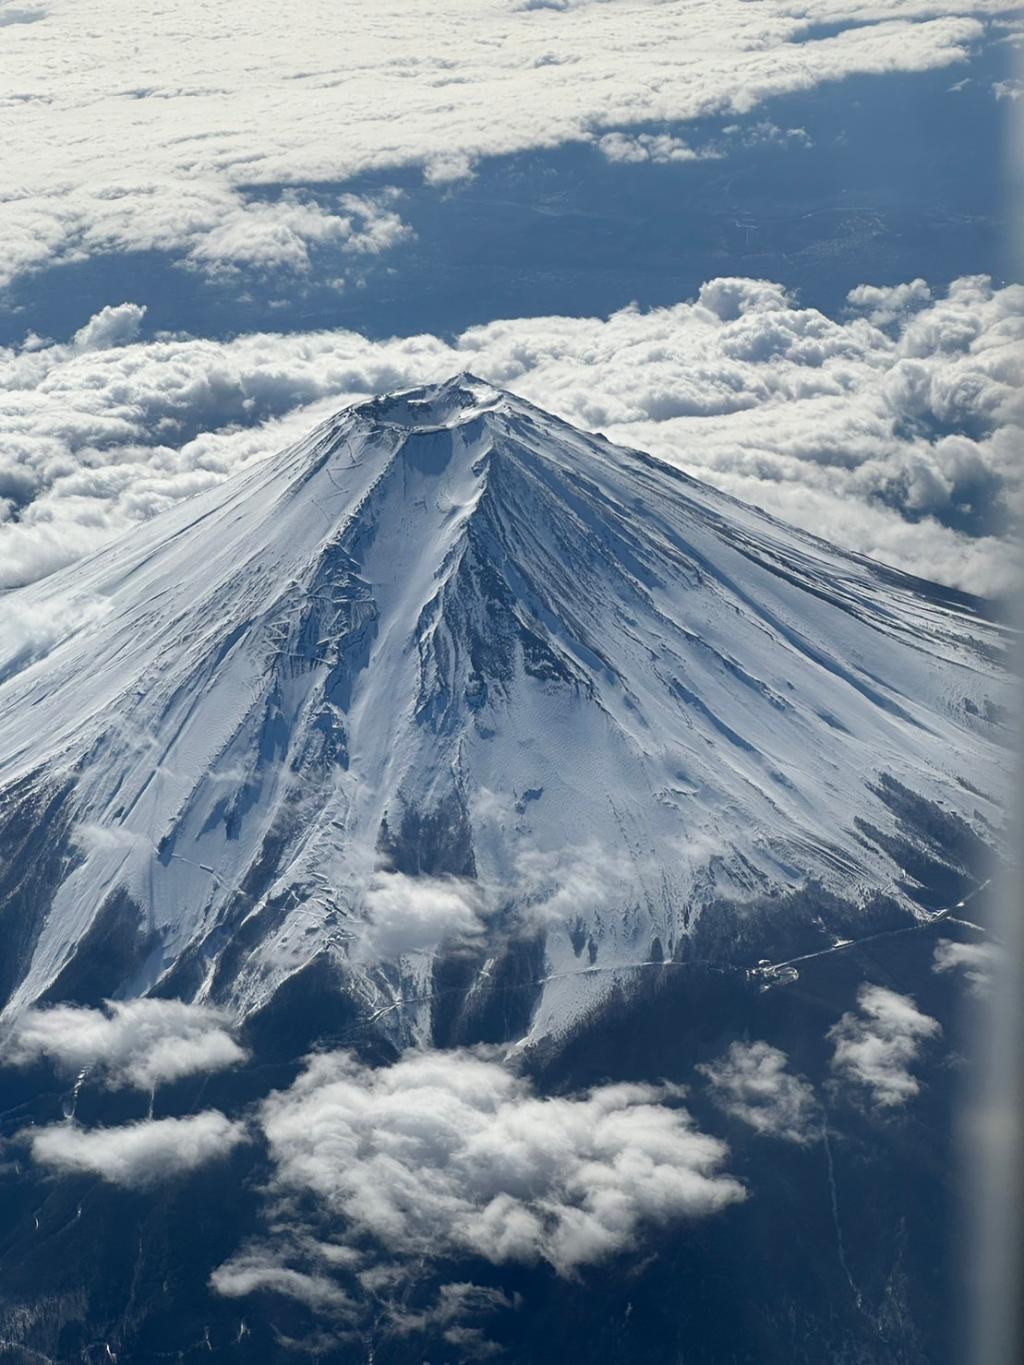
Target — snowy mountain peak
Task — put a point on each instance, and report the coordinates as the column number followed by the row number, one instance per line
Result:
column 449, row 403
column 451, row 691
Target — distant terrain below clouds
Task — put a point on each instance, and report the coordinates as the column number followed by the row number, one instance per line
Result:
column 893, row 429
column 197, row 130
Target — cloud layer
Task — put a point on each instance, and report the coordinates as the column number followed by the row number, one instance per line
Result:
column 900, row 441
column 898, row 437
column 121, row 136
column 135, row 1043
column 875, row 1048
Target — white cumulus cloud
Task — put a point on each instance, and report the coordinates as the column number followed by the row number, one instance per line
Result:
column 876, row 1047
column 448, row 1155
column 884, row 304
column 137, row 1154
column 115, row 325
column 137, row 1043
column 657, row 147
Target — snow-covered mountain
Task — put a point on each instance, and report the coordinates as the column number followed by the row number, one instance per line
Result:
column 450, row 692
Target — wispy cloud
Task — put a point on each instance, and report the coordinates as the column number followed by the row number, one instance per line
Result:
column 448, row 1315
column 977, row 961
column 29, row 630
column 417, row 914
column 555, row 886
column 752, row 1083
column 257, row 1272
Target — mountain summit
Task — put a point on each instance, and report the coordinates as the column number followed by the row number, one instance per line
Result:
column 451, row 693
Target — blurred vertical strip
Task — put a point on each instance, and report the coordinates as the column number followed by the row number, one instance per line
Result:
column 995, row 1128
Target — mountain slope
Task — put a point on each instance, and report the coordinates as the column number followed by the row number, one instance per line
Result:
column 451, row 670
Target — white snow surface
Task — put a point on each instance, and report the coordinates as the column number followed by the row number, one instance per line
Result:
column 602, row 697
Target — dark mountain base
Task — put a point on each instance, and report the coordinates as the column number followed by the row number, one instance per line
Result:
column 846, row 1250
